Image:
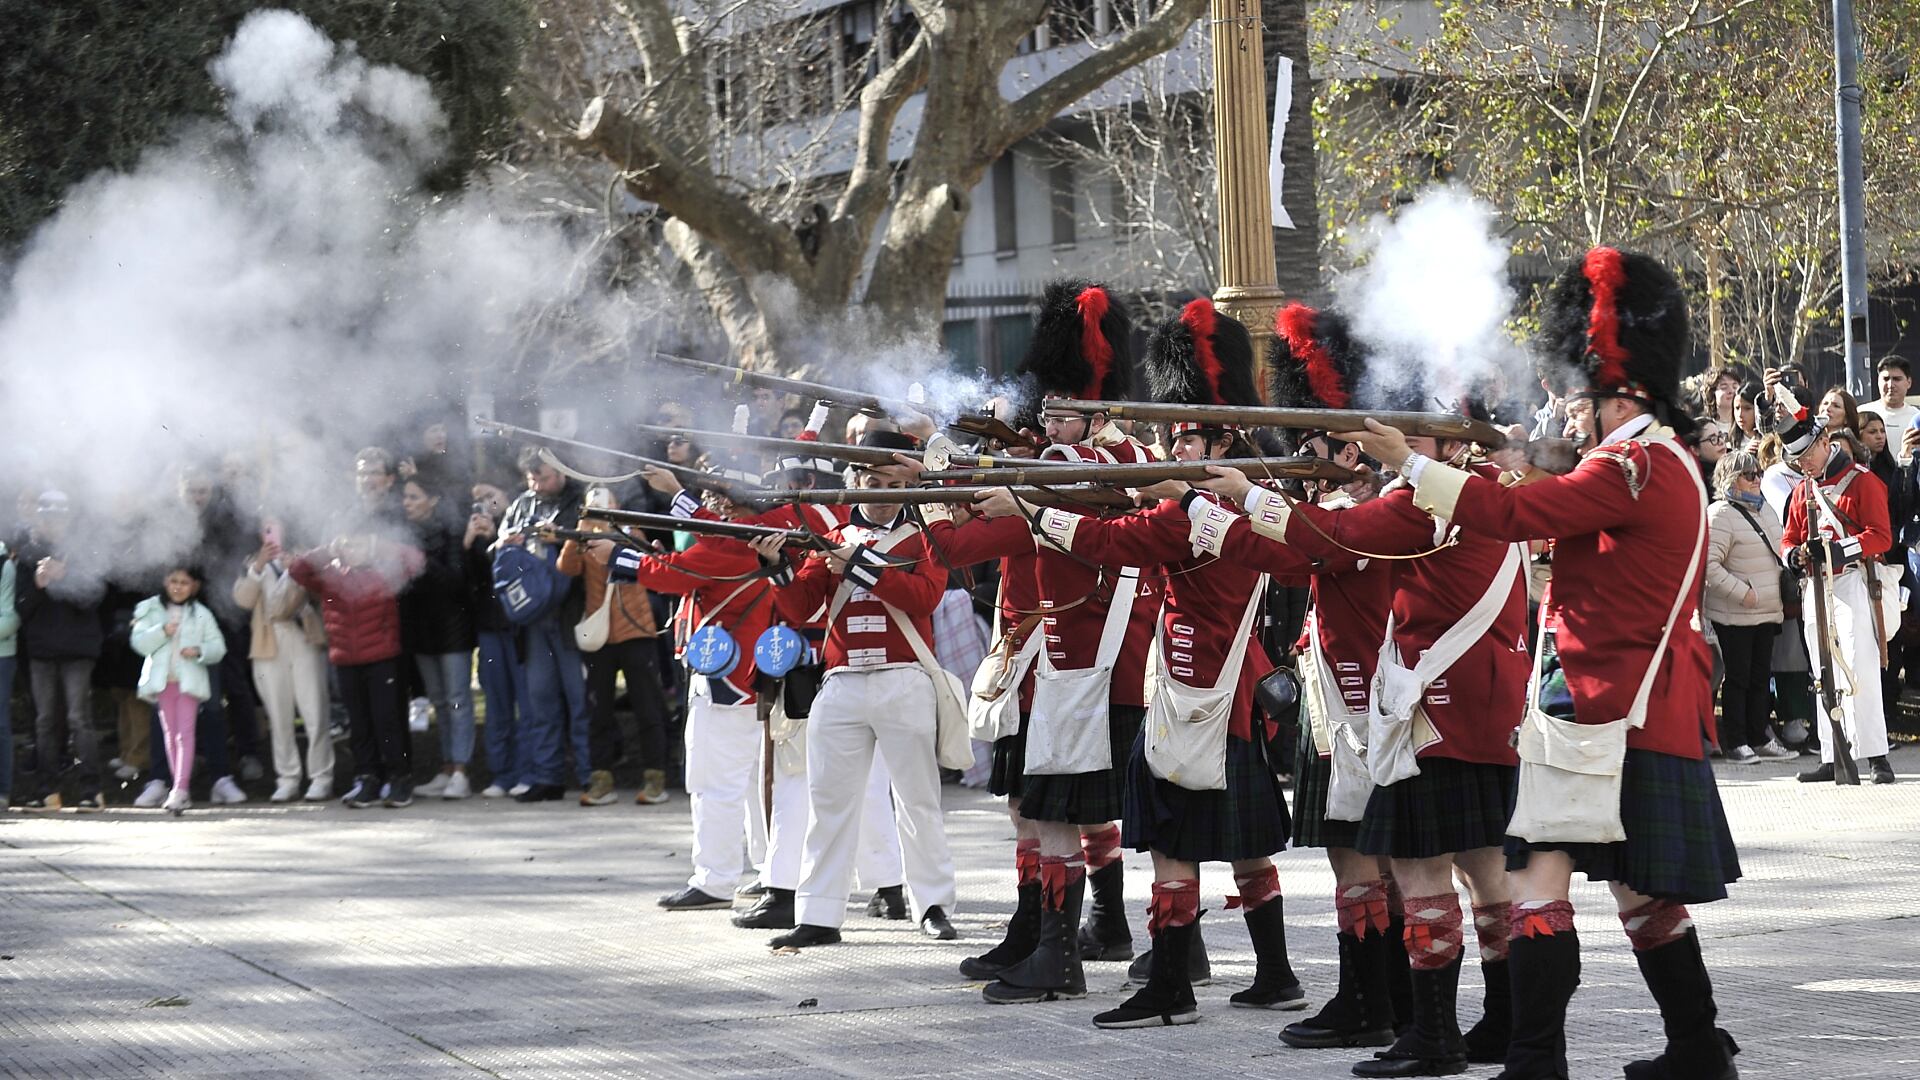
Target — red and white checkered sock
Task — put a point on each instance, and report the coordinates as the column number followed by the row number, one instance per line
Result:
column 1433, row 932
column 1493, row 925
column 1361, row 908
column 1541, row 918
column 1656, row 923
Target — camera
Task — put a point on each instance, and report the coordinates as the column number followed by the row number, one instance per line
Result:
column 480, row 509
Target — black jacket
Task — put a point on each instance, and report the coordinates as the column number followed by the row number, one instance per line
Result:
column 63, row 622
column 436, row 610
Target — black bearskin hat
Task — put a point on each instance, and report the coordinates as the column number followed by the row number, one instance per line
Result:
column 1314, row 362
column 1082, row 344
column 1202, row 357
column 1615, row 323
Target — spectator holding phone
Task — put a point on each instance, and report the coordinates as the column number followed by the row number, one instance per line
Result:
column 287, row 646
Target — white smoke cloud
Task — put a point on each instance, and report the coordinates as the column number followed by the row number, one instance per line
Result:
column 270, row 289
column 1431, row 299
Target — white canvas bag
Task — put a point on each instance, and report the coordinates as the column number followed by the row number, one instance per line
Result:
column 1398, row 729
column 1570, row 772
column 1186, row 728
column 1067, row 729
column 993, row 705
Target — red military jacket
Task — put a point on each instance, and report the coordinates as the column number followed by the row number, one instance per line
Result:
column 1478, row 702
column 1072, row 595
column 1858, row 494
column 1204, row 597
column 1350, row 598
column 701, row 573
column 1623, row 524
column 864, row 635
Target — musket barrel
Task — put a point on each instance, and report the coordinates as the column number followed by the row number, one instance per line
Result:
column 867, row 455
column 734, row 529
column 1138, row 474
column 1081, row 495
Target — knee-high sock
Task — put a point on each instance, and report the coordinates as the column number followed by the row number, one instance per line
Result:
column 1493, row 925
column 1655, row 923
column 1259, row 887
column 1433, row 932
column 1361, row 908
column 1174, row 903
column 1101, row 845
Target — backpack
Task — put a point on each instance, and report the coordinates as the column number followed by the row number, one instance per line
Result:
column 527, row 585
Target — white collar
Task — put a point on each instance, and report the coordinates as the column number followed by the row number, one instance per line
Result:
column 1629, row 429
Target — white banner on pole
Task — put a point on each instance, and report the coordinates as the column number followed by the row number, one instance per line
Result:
column 1277, row 169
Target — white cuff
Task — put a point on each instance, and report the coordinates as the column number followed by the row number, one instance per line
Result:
column 684, row 505
column 1208, row 533
column 1414, row 466
column 1268, row 514
column 1057, row 527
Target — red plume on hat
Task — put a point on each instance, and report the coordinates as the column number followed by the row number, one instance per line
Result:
column 1203, row 356
column 1082, row 344
column 1313, row 360
column 1615, row 323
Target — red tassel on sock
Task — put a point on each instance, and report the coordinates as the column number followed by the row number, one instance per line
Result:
column 1057, row 875
column 1362, row 908
column 1655, row 923
column 1541, row 918
column 1258, row 888
column 1101, row 846
column 1433, row 932
column 1026, row 861
column 1493, row 924
column 1174, row 903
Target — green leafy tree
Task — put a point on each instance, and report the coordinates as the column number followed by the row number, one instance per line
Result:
column 88, row 84
column 1700, row 132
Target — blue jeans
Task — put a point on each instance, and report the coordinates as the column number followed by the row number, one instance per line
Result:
column 503, row 682
column 448, row 680
column 7, row 664
column 557, row 685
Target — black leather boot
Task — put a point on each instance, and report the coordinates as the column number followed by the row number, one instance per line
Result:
column 1051, row 972
column 1543, row 972
column 1696, row 1049
column 772, row 911
column 1167, row 997
column 1023, row 933
column 1487, row 1041
column 1399, row 974
column 1199, row 968
column 1360, row 1013
column 1274, row 985
column 1432, row 1046
column 1106, row 935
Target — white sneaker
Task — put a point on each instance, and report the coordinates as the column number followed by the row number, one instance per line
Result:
column 458, row 787
column 177, row 801
column 435, row 787
column 520, row 789
column 1742, row 755
column 228, row 793
column 125, row 772
column 418, row 713
column 493, row 791
column 1771, row 750
column 286, row 790
column 152, row 795
column 320, row 791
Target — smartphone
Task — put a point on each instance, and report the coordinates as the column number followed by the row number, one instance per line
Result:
column 480, row 510
column 270, row 533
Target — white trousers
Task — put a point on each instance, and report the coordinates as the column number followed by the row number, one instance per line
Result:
column 1863, row 717
column 723, row 752
column 295, row 679
column 876, row 860
column 856, row 711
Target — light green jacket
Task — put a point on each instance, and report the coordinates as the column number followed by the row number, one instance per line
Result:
column 164, row 662
column 9, row 614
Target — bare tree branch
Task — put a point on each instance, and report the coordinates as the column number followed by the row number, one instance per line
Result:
column 1160, row 32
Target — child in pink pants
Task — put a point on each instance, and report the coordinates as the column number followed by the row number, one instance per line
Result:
column 181, row 641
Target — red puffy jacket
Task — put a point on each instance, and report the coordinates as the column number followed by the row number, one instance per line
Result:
column 360, row 604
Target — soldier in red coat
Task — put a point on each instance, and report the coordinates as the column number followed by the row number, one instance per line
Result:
column 879, row 587
column 1846, row 507
column 1628, row 698
column 1187, row 804
column 1086, row 623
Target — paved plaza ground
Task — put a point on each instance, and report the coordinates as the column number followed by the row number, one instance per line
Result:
column 490, row 939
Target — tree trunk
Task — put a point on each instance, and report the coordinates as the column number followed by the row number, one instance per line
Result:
column 1296, row 251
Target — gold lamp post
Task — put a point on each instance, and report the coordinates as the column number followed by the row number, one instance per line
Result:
column 1248, row 290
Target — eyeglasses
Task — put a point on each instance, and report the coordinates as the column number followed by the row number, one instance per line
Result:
column 1718, row 438
column 1750, row 474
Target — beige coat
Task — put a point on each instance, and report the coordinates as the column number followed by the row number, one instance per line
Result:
column 273, row 596
column 1738, row 560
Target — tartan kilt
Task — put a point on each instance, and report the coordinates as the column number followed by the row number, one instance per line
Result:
column 1010, row 764
column 1247, row 820
column 1312, row 776
column 1452, row 806
column 1678, row 846
column 1092, row 798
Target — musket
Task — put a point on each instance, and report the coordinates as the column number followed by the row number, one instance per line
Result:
column 583, row 537
column 687, row 474
column 1140, row 474
column 733, row 530
column 1072, row 497
column 806, row 448
column 1556, row 456
column 1820, row 581
column 978, row 425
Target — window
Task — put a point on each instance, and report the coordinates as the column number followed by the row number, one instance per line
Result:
column 1011, row 333
column 1006, row 231
column 961, row 338
column 1060, row 181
